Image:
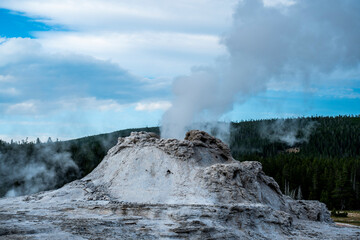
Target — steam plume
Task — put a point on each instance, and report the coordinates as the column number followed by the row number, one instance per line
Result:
column 30, row 168
column 300, row 41
column 289, row 131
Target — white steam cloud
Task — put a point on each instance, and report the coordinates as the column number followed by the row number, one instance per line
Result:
column 289, row 131
column 297, row 41
column 30, row 168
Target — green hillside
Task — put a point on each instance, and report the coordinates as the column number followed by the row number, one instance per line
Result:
column 323, row 164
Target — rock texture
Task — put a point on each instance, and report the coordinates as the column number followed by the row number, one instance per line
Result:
column 151, row 188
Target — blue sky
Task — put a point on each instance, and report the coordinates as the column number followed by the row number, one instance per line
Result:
column 17, row 24
column 76, row 68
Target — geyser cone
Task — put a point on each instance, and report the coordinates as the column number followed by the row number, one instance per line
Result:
column 143, row 168
column 198, row 170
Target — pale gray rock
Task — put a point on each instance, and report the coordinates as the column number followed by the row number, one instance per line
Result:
column 152, row 188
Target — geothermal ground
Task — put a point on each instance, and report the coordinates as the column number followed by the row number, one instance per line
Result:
column 151, row 188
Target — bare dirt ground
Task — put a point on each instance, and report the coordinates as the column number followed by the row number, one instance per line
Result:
column 353, row 218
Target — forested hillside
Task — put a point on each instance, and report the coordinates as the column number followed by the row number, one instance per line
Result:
column 310, row 158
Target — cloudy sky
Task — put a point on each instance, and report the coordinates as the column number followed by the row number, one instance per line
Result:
column 72, row 68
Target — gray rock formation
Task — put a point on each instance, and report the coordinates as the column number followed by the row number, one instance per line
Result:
column 151, row 188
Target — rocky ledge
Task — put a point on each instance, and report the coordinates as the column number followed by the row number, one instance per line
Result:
column 152, row 188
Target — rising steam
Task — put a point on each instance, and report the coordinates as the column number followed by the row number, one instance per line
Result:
column 29, row 168
column 289, row 131
column 298, row 41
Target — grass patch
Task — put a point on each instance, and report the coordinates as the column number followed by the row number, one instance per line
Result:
column 353, row 218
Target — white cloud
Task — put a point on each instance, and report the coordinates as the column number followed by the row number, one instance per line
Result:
column 6, row 78
column 23, row 108
column 147, row 37
column 144, row 53
column 340, row 92
column 152, row 106
column 14, row 49
column 28, row 69
column 182, row 16
column 9, row 91
column 153, row 84
column 43, row 107
column 90, row 103
column 279, row 3
column 96, row 44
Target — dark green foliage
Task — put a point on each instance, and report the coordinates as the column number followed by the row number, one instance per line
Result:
column 335, row 213
column 327, row 168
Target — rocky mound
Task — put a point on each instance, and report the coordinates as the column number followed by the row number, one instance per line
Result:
column 151, row 188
